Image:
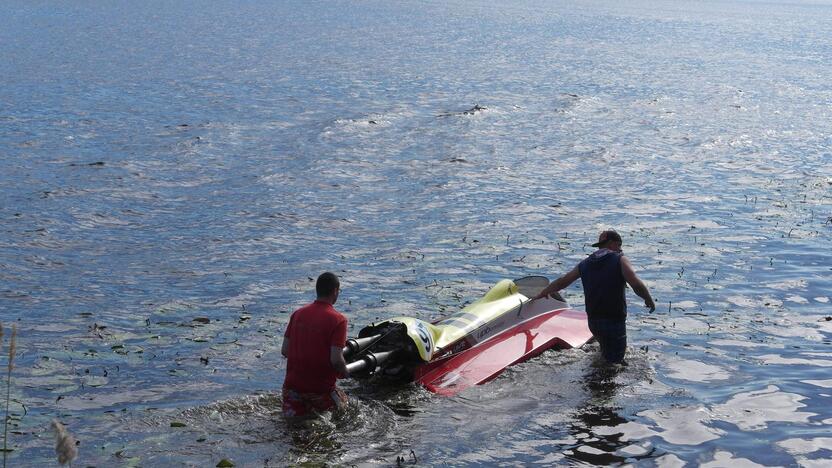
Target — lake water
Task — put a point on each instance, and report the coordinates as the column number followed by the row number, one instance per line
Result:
column 174, row 174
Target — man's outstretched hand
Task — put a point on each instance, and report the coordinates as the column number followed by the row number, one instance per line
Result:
column 554, row 295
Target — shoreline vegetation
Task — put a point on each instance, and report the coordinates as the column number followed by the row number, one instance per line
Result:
column 66, row 447
column 10, row 367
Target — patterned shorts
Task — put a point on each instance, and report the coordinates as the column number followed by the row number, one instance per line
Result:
column 301, row 404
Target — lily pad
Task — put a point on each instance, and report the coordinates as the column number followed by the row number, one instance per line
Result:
column 225, row 463
column 178, row 424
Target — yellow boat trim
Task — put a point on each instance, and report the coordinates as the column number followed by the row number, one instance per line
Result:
column 502, row 297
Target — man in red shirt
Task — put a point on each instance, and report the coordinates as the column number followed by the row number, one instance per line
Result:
column 314, row 346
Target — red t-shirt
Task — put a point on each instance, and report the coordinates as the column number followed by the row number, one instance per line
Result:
column 312, row 331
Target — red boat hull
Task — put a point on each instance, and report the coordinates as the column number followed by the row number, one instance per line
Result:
column 448, row 375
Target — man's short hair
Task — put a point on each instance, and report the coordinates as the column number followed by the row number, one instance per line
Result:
column 327, row 284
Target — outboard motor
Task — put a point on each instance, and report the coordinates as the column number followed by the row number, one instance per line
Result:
column 392, row 348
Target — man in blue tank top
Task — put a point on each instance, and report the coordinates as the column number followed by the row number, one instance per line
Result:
column 605, row 274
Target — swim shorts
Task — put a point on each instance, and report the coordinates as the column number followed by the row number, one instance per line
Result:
column 611, row 336
column 301, row 404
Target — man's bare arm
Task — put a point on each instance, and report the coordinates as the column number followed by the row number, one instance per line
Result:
column 284, row 349
column 638, row 286
column 560, row 283
column 336, row 357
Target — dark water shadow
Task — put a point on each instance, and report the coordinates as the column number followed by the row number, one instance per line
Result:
column 600, row 410
column 402, row 397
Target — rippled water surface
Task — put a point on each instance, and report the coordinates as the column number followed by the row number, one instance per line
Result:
column 174, row 174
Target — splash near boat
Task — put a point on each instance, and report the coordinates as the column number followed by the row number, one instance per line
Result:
column 472, row 346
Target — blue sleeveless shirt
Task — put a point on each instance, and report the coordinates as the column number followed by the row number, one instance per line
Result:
column 604, row 285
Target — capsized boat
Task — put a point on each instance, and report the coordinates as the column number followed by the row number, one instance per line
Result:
column 472, row 346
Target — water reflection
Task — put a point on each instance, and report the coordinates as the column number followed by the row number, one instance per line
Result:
column 756, row 410
column 601, row 411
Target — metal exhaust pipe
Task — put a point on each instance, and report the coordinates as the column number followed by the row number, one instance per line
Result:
column 369, row 362
column 356, row 345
